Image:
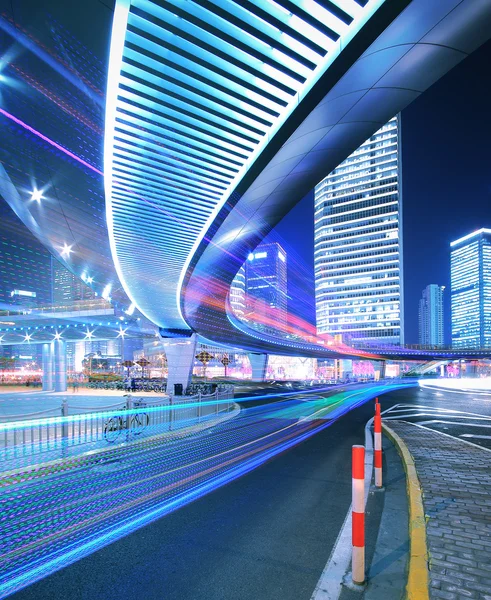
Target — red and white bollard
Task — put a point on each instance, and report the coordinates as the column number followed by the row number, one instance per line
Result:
column 358, row 514
column 377, row 434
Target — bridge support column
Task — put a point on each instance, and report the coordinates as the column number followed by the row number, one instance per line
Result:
column 60, row 365
column 47, row 367
column 259, row 363
column 379, row 369
column 180, row 360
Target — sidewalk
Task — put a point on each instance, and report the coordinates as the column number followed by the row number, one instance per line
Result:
column 455, row 478
column 386, row 535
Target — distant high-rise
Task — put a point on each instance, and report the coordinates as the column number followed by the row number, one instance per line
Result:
column 470, row 266
column 431, row 332
column 68, row 288
column 25, row 264
column 358, row 243
column 24, row 299
column 237, row 294
column 266, row 288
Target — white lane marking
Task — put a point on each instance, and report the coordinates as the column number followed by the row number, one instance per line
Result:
column 329, row 585
column 448, row 435
column 481, row 425
column 448, row 412
column 391, row 408
column 455, row 391
column 461, row 417
column 473, row 435
column 429, row 408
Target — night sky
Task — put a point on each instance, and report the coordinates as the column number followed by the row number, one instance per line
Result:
column 446, row 173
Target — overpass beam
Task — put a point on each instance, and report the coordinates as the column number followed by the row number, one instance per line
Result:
column 48, row 367
column 259, row 363
column 180, row 360
column 59, row 365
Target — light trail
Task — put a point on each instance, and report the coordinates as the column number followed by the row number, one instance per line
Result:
column 50, row 141
column 50, row 522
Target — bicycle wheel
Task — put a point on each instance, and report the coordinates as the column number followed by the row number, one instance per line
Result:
column 139, row 422
column 112, row 429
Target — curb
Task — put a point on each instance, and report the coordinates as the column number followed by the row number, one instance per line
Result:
column 417, row 587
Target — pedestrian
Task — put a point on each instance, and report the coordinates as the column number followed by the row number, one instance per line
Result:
column 75, row 385
column 133, row 384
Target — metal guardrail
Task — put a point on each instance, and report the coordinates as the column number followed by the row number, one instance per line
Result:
column 42, row 437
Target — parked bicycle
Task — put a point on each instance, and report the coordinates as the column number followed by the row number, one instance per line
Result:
column 133, row 425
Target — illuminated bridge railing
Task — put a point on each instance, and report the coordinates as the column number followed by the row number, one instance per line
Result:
column 381, row 348
column 38, row 441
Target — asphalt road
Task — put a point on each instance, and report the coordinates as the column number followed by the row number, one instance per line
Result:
column 266, row 535
column 465, row 415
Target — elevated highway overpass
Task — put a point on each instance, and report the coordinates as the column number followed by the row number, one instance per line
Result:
column 219, row 117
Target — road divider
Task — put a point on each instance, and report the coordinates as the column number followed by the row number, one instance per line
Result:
column 358, row 515
column 377, row 442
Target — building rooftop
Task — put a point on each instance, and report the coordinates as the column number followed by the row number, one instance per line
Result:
column 470, row 235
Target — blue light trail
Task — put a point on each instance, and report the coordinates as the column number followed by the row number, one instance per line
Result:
column 51, row 521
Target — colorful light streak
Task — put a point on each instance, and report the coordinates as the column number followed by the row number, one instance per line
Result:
column 50, row 522
column 50, row 141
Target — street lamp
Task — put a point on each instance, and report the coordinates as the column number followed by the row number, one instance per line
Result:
column 162, row 358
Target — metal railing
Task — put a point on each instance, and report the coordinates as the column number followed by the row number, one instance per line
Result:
column 46, row 436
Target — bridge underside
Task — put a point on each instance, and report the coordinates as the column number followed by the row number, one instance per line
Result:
column 186, row 203
column 420, row 46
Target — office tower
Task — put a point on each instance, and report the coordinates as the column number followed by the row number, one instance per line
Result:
column 69, row 289
column 358, row 244
column 266, row 288
column 237, row 294
column 23, row 300
column 431, row 331
column 25, row 264
column 470, row 276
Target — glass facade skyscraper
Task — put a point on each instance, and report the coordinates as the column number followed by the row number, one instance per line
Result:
column 266, row 288
column 431, row 332
column 237, row 293
column 470, row 275
column 358, row 244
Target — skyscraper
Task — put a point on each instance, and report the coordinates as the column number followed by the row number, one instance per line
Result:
column 237, row 293
column 266, row 288
column 358, row 243
column 68, row 289
column 470, row 275
column 431, row 332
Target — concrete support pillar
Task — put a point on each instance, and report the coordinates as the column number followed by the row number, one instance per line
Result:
column 379, row 369
column 180, row 353
column 60, row 365
column 47, row 367
column 346, row 369
column 259, row 363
